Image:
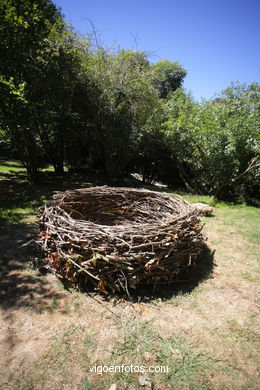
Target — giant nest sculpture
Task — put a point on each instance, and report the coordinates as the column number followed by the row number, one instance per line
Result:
column 119, row 239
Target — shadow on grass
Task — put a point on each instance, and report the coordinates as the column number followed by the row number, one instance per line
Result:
column 16, row 191
column 19, row 285
column 188, row 279
column 19, row 201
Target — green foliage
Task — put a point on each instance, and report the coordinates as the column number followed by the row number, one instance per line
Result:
column 25, row 27
column 65, row 100
column 38, row 82
column 23, row 30
column 55, row 97
column 122, row 102
column 18, row 90
column 167, row 76
column 153, row 153
column 217, row 144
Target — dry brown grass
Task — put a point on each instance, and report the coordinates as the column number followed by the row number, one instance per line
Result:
column 208, row 336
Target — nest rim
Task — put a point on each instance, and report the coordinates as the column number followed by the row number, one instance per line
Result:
column 184, row 212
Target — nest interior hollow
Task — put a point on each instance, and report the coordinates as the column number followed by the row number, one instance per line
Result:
column 119, row 238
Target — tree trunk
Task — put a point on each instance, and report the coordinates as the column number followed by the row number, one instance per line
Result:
column 33, row 175
column 184, row 178
column 59, row 168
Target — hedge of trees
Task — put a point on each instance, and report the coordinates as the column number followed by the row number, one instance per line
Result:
column 66, row 100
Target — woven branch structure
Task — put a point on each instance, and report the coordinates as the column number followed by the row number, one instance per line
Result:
column 118, row 239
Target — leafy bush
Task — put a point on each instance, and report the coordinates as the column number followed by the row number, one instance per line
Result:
column 216, row 144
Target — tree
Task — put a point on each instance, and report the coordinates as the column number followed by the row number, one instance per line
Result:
column 24, row 31
column 16, row 123
column 216, row 143
column 55, row 95
column 237, row 112
column 181, row 130
column 123, row 99
column 167, row 76
column 152, row 148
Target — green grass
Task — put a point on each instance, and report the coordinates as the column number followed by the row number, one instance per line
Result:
column 139, row 345
column 244, row 220
column 19, row 199
column 13, row 166
column 10, row 166
column 143, row 345
column 200, row 198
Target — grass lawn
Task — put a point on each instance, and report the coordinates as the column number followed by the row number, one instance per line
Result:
column 208, row 335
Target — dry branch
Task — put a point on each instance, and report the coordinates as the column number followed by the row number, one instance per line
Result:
column 119, row 238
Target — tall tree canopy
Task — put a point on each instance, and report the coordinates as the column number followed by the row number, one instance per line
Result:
column 39, row 74
column 124, row 100
column 167, row 76
column 24, row 32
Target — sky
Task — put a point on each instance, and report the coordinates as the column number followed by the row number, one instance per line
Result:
column 217, row 42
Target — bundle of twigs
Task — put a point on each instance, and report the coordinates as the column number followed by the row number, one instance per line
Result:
column 119, row 238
